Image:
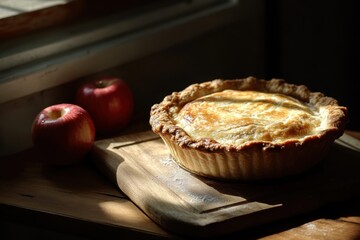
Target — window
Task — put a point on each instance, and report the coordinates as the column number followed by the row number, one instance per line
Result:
column 89, row 37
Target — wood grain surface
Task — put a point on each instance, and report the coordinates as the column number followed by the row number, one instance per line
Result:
column 187, row 204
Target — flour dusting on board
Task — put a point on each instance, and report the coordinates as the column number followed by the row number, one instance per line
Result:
column 179, row 180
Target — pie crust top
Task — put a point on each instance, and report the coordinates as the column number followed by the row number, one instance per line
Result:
column 233, row 114
column 235, row 117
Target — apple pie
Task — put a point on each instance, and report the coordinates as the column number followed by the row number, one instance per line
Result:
column 248, row 129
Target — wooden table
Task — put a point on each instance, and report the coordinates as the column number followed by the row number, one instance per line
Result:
column 79, row 200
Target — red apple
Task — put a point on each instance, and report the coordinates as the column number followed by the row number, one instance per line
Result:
column 63, row 133
column 109, row 101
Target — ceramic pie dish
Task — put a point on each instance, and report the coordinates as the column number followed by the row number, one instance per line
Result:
column 247, row 129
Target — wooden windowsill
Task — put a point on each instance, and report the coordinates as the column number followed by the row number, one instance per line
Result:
column 22, row 17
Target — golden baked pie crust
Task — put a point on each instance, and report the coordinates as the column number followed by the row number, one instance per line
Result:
column 255, row 159
column 234, row 117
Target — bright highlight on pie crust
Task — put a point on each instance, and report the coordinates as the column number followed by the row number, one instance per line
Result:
column 236, row 117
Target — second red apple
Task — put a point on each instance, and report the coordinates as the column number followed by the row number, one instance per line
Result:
column 109, row 101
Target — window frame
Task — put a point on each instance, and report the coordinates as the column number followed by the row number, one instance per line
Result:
column 60, row 55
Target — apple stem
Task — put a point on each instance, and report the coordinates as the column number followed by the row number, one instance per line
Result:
column 57, row 114
column 100, row 84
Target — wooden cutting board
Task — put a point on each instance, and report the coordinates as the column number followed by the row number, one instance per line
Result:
column 186, row 204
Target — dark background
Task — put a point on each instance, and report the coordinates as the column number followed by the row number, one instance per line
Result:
column 316, row 43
